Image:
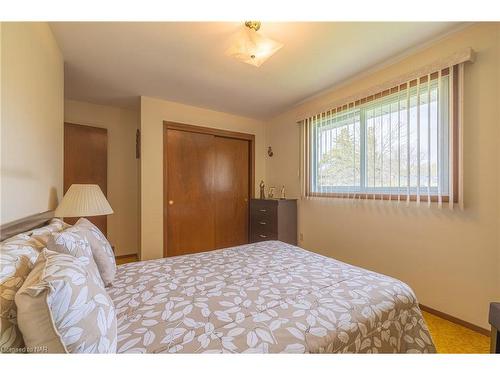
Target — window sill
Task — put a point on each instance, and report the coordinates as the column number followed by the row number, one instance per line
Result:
column 382, row 197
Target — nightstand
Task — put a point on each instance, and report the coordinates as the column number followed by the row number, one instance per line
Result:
column 494, row 320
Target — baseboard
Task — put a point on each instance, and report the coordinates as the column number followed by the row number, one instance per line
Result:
column 126, row 256
column 455, row 320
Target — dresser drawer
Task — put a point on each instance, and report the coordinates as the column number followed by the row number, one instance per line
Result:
column 258, row 237
column 263, row 209
column 263, row 224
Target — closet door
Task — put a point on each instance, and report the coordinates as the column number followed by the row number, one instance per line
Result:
column 207, row 180
column 190, row 200
column 231, row 185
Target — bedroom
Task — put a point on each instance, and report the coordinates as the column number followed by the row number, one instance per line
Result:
column 234, row 186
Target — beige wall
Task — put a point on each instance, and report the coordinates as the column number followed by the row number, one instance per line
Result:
column 450, row 259
column 497, row 95
column 153, row 113
column 123, row 196
column 32, row 100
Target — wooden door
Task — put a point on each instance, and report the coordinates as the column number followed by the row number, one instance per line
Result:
column 231, row 184
column 86, row 162
column 208, row 179
column 190, row 221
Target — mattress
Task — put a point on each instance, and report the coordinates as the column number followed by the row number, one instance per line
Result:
column 267, row 297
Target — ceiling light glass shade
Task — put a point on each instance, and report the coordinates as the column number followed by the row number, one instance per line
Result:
column 83, row 200
column 252, row 48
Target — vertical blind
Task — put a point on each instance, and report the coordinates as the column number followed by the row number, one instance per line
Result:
column 401, row 144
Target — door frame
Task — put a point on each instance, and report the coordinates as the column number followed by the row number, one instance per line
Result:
column 169, row 125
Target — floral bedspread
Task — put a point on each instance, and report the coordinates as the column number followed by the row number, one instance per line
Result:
column 267, row 297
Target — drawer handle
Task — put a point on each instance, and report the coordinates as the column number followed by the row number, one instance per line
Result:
column 262, row 223
column 262, row 210
column 262, row 236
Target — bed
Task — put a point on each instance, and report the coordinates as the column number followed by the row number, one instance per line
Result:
column 267, row 297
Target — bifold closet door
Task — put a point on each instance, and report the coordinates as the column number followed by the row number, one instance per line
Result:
column 190, row 219
column 231, row 185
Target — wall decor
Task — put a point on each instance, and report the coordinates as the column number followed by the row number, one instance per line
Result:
column 137, row 144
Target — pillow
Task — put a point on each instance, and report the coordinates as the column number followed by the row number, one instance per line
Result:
column 101, row 249
column 17, row 257
column 61, row 310
column 21, row 245
column 42, row 234
column 71, row 242
column 14, row 272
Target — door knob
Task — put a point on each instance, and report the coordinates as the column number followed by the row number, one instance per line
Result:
column 170, row 203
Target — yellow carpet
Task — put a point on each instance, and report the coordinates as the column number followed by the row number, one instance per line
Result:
column 453, row 338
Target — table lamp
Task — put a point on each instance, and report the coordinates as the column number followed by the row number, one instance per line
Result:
column 83, row 200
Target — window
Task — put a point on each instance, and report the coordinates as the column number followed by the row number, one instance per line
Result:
column 397, row 144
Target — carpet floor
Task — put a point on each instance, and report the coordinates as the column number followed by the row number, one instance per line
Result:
column 451, row 338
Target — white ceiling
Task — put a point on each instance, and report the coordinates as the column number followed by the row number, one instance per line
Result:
column 115, row 63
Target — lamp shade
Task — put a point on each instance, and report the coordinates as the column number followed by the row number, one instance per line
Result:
column 83, row 200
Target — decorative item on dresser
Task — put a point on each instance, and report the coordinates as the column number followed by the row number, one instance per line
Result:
column 270, row 194
column 273, row 219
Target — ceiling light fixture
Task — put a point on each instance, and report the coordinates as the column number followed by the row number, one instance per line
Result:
column 252, row 47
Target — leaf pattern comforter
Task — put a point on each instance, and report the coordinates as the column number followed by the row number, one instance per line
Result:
column 267, row 297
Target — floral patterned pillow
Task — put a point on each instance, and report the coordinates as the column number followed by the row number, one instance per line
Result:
column 14, row 272
column 71, row 242
column 17, row 257
column 61, row 309
column 101, row 249
column 42, row 234
column 21, row 245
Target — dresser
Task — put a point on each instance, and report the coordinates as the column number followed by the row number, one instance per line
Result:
column 273, row 219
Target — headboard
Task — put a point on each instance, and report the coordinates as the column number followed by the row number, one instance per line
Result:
column 25, row 224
